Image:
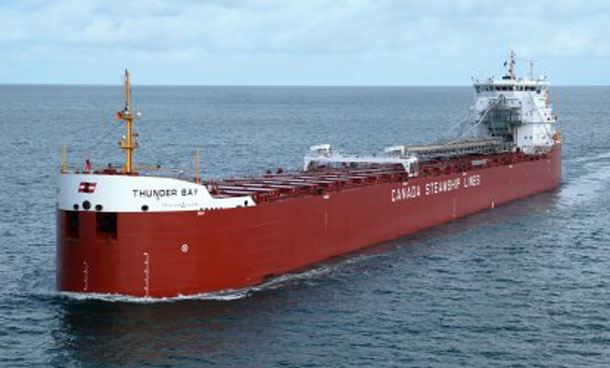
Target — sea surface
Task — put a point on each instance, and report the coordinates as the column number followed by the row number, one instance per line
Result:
column 523, row 285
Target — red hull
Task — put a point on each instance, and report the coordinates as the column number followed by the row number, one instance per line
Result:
column 240, row 247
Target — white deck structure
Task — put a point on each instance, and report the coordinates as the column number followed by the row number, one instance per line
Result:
column 508, row 114
column 516, row 109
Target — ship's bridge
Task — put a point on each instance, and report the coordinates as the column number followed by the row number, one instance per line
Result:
column 491, row 86
column 518, row 110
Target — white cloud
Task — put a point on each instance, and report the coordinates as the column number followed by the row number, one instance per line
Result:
column 464, row 31
column 571, row 42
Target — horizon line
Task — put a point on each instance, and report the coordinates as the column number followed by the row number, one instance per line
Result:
column 267, row 85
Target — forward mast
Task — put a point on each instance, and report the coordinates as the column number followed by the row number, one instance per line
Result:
column 128, row 143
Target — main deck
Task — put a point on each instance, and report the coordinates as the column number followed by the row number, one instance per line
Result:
column 278, row 185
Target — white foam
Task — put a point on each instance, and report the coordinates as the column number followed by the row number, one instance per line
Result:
column 600, row 156
column 225, row 295
column 590, row 185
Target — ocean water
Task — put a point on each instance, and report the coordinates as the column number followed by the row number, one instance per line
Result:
column 523, row 285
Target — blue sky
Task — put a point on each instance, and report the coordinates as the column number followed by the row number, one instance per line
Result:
column 301, row 42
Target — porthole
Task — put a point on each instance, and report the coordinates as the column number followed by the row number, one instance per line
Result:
column 75, row 206
column 86, row 205
column 144, row 208
column 98, row 207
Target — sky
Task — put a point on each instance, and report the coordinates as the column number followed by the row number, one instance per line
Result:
column 301, row 42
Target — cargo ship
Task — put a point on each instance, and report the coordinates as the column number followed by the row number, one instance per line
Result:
column 129, row 230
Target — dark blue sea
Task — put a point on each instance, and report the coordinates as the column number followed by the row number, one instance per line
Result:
column 523, row 285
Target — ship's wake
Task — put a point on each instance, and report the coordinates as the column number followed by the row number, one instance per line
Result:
column 590, row 183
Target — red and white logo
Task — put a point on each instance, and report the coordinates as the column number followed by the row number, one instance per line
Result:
column 86, row 187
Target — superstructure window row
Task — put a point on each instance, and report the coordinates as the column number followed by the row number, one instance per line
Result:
column 487, row 88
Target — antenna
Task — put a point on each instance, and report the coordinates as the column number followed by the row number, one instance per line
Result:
column 511, row 65
column 531, row 62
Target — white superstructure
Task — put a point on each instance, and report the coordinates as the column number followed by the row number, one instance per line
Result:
column 509, row 114
column 516, row 109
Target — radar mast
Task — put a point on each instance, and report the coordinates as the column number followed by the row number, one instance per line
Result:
column 511, row 65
